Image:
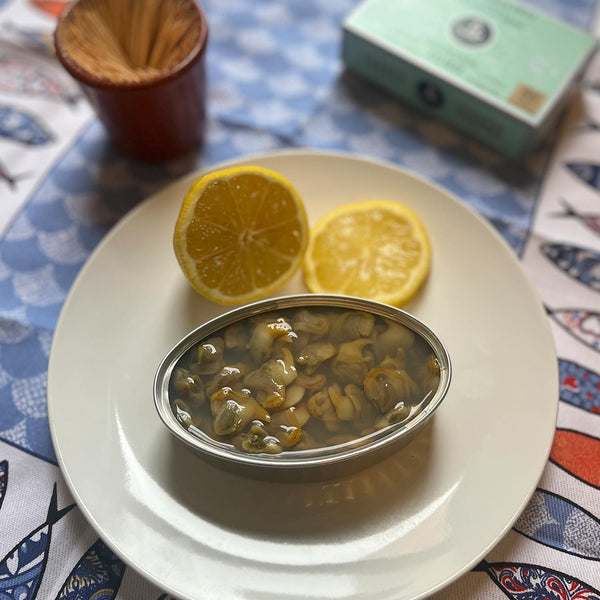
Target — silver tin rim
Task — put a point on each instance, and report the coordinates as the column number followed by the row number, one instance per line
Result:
column 329, row 455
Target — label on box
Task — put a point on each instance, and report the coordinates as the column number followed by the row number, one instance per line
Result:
column 501, row 51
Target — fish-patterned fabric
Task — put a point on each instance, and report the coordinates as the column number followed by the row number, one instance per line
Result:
column 275, row 81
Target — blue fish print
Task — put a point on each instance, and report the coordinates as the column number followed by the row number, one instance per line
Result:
column 10, row 179
column 579, row 386
column 22, row 127
column 583, row 325
column 3, row 480
column 558, row 523
column 580, row 264
column 22, row 569
column 97, row 575
column 591, row 221
column 531, row 582
column 588, row 173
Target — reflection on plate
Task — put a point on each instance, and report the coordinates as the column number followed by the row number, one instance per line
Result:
column 403, row 528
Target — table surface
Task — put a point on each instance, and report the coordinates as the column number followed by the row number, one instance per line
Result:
column 275, row 81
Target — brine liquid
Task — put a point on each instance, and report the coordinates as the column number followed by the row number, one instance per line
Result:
column 298, row 379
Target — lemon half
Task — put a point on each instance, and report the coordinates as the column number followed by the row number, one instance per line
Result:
column 377, row 249
column 241, row 233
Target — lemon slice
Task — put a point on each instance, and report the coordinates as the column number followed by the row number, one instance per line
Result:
column 241, row 234
column 377, row 249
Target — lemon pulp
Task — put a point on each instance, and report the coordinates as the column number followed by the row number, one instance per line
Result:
column 241, row 233
column 377, row 249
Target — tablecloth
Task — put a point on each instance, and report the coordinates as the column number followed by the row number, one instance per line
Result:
column 275, row 81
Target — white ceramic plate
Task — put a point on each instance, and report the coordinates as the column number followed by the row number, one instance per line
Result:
column 402, row 529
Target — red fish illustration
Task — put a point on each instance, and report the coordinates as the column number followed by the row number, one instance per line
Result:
column 590, row 220
column 579, row 386
column 578, row 454
column 532, row 582
column 583, row 325
column 20, row 74
column 51, row 7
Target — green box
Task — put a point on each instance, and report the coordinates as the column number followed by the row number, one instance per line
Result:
column 496, row 70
